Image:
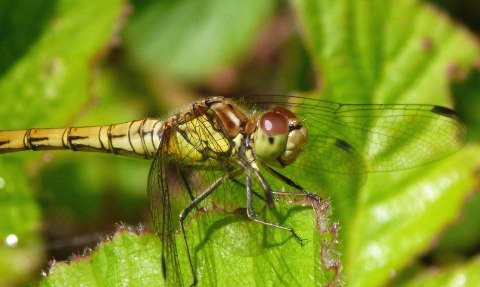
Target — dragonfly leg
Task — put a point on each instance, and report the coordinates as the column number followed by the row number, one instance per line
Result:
column 188, row 209
column 313, row 196
column 187, row 186
column 288, row 181
column 253, row 216
column 265, row 186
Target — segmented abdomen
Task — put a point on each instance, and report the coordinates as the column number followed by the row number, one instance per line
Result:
column 135, row 139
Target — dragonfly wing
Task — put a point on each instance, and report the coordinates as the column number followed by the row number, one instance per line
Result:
column 196, row 176
column 193, row 154
column 354, row 138
column 160, row 206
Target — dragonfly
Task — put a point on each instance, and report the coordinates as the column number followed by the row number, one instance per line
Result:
column 232, row 151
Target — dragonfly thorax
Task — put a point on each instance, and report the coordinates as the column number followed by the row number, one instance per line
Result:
column 279, row 138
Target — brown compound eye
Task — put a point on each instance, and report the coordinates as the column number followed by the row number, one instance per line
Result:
column 280, row 137
column 274, row 124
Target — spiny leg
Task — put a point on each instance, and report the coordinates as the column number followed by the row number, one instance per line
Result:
column 251, row 213
column 288, row 181
column 189, row 208
column 265, row 186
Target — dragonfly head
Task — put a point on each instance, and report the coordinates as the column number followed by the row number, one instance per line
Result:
column 279, row 137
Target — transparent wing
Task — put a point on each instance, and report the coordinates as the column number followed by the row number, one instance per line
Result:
column 175, row 180
column 160, row 196
column 356, row 139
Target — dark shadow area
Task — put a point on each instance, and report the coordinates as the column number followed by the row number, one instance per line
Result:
column 465, row 11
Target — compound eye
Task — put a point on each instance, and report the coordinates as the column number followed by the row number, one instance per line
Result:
column 272, row 135
column 274, row 124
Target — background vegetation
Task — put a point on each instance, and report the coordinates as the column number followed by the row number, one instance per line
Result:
column 65, row 63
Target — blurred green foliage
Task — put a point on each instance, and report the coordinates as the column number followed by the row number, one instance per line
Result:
column 65, row 63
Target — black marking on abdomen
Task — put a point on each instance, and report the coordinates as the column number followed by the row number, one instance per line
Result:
column 100, row 139
column 109, row 135
column 78, row 137
column 34, row 139
column 117, row 150
column 80, row 146
column 73, row 145
column 141, row 134
column 130, row 137
column 144, row 133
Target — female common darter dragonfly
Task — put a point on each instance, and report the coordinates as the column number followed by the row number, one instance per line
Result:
column 219, row 145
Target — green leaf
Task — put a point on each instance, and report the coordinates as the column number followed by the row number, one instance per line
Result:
column 58, row 64
column 391, row 52
column 467, row 92
column 229, row 248
column 465, row 275
column 45, row 72
column 190, row 40
column 400, row 214
column 365, row 52
column 19, row 222
column 383, row 51
column 127, row 258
